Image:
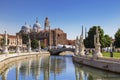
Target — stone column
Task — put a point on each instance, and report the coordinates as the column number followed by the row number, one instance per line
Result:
column 97, row 45
column 5, row 49
column 17, row 46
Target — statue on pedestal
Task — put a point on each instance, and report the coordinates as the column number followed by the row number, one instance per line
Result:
column 17, row 46
column 39, row 46
column 81, row 46
column 29, row 45
column 77, row 46
column 5, row 47
column 97, row 45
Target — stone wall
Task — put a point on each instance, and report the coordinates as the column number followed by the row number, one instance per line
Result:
column 7, row 59
column 108, row 64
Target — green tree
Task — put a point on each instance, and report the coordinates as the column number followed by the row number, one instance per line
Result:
column 34, row 44
column 117, row 39
column 89, row 41
column 107, row 40
column 24, row 38
column 42, row 45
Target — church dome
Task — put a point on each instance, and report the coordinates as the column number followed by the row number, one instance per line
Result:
column 36, row 26
column 25, row 28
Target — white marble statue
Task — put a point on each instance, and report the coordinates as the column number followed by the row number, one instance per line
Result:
column 77, row 46
column 5, row 47
column 39, row 46
column 29, row 45
column 97, row 45
column 81, row 46
column 17, row 46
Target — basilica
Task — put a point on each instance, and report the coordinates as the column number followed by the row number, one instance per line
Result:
column 46, row 35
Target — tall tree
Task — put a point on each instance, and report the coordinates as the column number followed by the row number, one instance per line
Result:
column 24, row 38
column 89, row 41
column 117, row 39
column 34, row 44
column 107, row 41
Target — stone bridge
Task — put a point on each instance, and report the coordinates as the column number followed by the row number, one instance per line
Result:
column 59, row 50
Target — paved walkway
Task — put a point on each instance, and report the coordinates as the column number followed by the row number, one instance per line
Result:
column 6, row 56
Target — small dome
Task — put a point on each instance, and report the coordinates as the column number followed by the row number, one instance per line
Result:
column 36, row 26
column 25, row 28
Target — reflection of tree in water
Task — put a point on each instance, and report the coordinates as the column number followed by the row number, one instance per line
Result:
column 58, row 64
column 87, row 73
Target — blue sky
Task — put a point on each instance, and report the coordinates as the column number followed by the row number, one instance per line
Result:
column 69, row 15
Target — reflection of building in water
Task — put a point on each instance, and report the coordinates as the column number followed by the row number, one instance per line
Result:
column 18, row 64
column 24, row 71
column 5, row 74
column 35, row 67
column 45, row 66
column 88, row 73
column 58, row 64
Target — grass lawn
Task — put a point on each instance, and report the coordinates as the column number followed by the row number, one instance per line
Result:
column 115, row 54
column 107, row 54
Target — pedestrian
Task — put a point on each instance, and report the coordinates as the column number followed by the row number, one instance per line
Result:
column 111, row 54
column 93, row 52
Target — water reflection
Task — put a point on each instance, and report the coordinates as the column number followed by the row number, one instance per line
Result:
column 53, row 68
column 87, row 73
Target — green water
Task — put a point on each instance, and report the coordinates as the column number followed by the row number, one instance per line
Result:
column 53, row 68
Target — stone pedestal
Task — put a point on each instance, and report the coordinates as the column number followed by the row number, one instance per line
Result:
column 5, row 49
column 17, row 49
column 81, row 51
column 29, row 49
column 97, row 51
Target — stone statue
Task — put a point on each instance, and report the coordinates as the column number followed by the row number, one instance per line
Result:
column 39, row 47
column 97, row 45
column 5, row 49
column 17, row 46
column 76, row 46
column 29, row 44
column 81, row 46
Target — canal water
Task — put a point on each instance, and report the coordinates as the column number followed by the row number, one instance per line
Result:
column 53, row 68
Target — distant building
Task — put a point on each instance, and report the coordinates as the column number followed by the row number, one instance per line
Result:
column 47, row 36
column 11, row 41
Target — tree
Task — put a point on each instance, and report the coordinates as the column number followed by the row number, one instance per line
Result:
column 42, row 45
column 34, row 44
column 24, row 38
column 107, row 40
column 89, row 41
column 117, row 39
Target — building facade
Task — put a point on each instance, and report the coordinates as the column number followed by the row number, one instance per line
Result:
column 11, row 41
column 47, row 36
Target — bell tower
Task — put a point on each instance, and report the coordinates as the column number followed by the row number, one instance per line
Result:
column 46, row 24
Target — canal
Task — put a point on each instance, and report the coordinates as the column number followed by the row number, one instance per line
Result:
column 53, row 68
